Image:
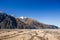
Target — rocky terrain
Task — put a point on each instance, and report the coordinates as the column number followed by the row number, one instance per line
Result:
column 27, row 34
column 11, row 22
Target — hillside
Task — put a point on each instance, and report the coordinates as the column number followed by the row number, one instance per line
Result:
column 10, row 22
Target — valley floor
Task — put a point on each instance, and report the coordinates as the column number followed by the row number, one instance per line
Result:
column 29, row 34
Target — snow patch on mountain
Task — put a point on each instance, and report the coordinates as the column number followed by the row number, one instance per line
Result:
column 23, row 17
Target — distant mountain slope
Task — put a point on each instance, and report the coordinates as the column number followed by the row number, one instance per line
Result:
column 10, row 22
column 35, row 24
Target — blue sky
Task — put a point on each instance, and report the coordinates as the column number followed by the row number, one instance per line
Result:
column 45, row 11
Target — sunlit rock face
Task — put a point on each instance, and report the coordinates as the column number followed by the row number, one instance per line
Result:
column 11, row 22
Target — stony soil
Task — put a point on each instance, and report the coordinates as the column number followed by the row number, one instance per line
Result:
column 27, row 34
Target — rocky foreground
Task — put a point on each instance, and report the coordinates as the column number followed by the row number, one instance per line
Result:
column 30, row 34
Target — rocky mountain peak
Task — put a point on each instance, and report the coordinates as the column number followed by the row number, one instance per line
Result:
column 10, row 22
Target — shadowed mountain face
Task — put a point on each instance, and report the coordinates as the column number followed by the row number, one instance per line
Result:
column 10, row 22
column 7, row 21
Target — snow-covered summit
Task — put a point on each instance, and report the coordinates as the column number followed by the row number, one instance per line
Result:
column 22, row 17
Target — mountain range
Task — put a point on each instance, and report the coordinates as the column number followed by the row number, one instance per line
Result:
column 11, row 22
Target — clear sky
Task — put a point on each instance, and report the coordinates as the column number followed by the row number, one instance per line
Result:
column 46, row 11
